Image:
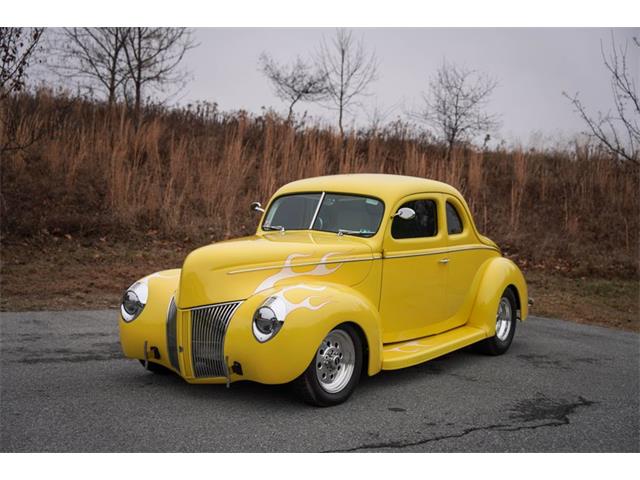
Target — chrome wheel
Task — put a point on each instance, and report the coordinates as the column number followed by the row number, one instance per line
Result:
column 335, row 361
column 503, row 319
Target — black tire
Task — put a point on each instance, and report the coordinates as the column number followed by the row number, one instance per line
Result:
column 496, row 345
column 309, row 387
column 154, row 367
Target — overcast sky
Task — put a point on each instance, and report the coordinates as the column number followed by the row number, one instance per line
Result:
column 533, row 68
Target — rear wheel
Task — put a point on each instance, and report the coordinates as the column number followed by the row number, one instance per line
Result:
column 335, row 369
column 505, row 326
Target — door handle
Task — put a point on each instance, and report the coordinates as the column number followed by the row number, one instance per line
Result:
column 444, row 261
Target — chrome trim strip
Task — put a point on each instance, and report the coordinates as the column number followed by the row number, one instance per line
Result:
column 441, row 251
column 305, row 264
column 172, row 333
column 315, row 214
column 374, row 257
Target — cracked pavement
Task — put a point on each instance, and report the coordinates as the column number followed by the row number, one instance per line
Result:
column 64, row 386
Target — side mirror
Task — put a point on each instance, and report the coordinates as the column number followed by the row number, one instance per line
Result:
column 256, row 207
column 406, row 213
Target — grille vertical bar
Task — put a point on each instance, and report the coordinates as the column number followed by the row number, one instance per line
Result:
column 172, row 334
column 208, row 329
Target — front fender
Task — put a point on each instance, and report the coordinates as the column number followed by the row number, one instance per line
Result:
column 150, row 326
column 497, row 274
column 313, row 309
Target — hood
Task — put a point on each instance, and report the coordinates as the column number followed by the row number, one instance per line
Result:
column 236, row 269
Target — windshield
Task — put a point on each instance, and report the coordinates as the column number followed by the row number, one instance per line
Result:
column 329, row 212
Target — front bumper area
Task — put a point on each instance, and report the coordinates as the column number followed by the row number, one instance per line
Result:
column 189, row 342
column 214, row 344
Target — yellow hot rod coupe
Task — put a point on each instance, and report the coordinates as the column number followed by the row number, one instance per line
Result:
column 346, row 274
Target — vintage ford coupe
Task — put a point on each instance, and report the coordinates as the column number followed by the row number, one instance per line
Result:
column 346, row 274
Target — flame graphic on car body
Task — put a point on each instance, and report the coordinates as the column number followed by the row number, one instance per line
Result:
column 409, row 347
column 286, row 306
column 287, row 271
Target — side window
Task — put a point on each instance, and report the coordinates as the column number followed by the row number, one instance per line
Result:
column 425, row 223
column 454, row 223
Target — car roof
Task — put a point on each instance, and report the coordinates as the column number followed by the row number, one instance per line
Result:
column 387, row 187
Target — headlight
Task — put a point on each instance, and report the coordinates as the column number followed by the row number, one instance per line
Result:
column 268, row 319
column 133, row 301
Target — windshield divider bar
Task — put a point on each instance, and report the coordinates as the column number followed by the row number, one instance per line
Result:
column 315, row 214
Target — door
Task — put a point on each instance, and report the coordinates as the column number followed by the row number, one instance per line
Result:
column 412, row 300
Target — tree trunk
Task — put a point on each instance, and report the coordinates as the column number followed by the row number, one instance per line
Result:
column 341, row 101
column 138, row 79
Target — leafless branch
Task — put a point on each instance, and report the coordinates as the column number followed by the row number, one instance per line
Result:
column 618, row 131
column 95, row 56
column 348, row 69
column 152, row 58
column 294, row 83
column 454, row 106
column 17, row 46
column 17, row 49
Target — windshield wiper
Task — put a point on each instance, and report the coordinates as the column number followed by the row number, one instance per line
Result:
column 274, row 227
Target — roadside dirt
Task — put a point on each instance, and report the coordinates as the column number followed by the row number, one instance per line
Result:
column 70, row 274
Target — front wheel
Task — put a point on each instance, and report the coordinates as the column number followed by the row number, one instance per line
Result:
column 505, row 326
column 335, row 369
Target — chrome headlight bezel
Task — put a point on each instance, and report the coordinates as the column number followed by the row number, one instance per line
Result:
column 134, row 300
column 268, row 319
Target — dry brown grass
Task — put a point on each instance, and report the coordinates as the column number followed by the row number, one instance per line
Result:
column 92, row 172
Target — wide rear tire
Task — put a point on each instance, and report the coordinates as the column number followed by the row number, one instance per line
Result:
column 506, row 318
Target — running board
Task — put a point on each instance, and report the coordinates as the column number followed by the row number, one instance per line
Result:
column 412, row 352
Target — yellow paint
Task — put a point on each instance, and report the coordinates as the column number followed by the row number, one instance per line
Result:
column 235, row 269
column 150, row 325
column 396, row 291
column 412, row 352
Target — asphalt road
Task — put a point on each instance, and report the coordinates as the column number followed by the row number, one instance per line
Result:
column 561, row 387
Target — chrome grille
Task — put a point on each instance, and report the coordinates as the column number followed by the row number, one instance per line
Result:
column 172, row 334
column 208, row 328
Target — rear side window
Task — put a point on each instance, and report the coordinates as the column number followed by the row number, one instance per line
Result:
column 425, row 223
column 454, row 223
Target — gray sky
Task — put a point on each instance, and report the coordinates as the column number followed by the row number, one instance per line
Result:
column 532, row 66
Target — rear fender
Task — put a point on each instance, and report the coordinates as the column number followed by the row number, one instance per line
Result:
column 498, row 274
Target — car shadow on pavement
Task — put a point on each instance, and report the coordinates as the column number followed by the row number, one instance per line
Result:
column 276, row 396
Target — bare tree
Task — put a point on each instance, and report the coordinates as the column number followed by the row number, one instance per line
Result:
column 93, row 55
column 152, row 57
column 17, row 50
column 17, row 46
column 348, row 69
column 294, row 83
column 619, row 132
column 454, row 105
